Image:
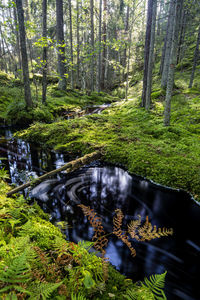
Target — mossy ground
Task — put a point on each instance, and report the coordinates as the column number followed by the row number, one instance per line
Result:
column 36, row 262
column 137, row 139
column 58, row 104
column 128, row 134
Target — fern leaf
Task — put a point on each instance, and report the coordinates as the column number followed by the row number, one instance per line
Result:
column 156, row 284
column 133, row 227
column 17, row 271
column 43, row 290
column 147, row 232
column 130, row 295
column 117, row 222
column 78, row 297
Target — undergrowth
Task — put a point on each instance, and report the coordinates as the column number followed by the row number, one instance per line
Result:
column 36, row 262
column 59, row 104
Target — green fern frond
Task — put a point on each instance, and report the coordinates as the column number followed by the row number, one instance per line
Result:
column 138, row 292
column 130, row 295
column 17, row 272
column 10, row 297
column 78, row 297
column 13, row 275
column 86, row 244
column 43, row 290
column 156, row 284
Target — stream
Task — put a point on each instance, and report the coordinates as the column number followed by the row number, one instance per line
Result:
column 105, row 188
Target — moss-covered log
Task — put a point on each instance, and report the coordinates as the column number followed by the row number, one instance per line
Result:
column 69, row 167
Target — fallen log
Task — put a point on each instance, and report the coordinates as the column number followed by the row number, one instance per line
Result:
column 69, row 167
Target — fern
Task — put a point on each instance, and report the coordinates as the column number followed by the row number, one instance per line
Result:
column 138, row 292
column 156, row 284
column 117, row 222
column 14, row 275
column 131, row 295
column 43, row 290
column 78, row 297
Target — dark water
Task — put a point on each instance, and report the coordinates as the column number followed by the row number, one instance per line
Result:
column 24, row 160
column 106, row 188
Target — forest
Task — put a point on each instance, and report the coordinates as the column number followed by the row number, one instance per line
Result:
column 99, row 149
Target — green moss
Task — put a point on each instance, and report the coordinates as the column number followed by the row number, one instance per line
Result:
column 58, row 104
column 137, row 139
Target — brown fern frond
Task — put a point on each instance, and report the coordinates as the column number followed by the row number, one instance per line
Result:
column 133, row 227
column 117, row 222
column 147, row 232
column 100, row 241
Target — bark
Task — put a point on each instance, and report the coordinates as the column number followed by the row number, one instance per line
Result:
column 99, row 50
column 104, row 37
column 44, row 34
column 151, row 56
column 69, row 167
column 196, row 56
column 17, row 38
column 176, row 14
column 182, row 35
column 126, row 35
column 61, row 49
column 128, row 66
column 168, row 47
column 146, row 50
column 78, row 45
column 27, row 90
column 71, row 44
column 92, row 43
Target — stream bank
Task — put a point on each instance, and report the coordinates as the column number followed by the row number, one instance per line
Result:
column 134, row 139
column 105, row 188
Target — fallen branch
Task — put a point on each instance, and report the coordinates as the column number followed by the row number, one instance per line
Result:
column 69, row 167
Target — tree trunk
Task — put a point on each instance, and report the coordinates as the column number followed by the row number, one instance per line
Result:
column 196, row 56
column 78, row 45
column 151, row 55
column 104, row 36
column 61, row 49
column 71, row 44
column 128, row 66
column 176, row 14
column 168, row 47
column 27, row 90
column 99, row 50
column 44, row 34
column 182, row 35
column 126, row 35
column 17, row 38
column 146, row 50
column 92, row 43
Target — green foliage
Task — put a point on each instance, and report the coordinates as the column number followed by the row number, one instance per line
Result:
column 58, row 104
column 43, row 290
column 36, row 262
column 16, row 272
column 156, row 284
column 77, row 297
column 139, row 292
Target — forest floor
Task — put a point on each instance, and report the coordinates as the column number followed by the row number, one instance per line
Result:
column 126, row 133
